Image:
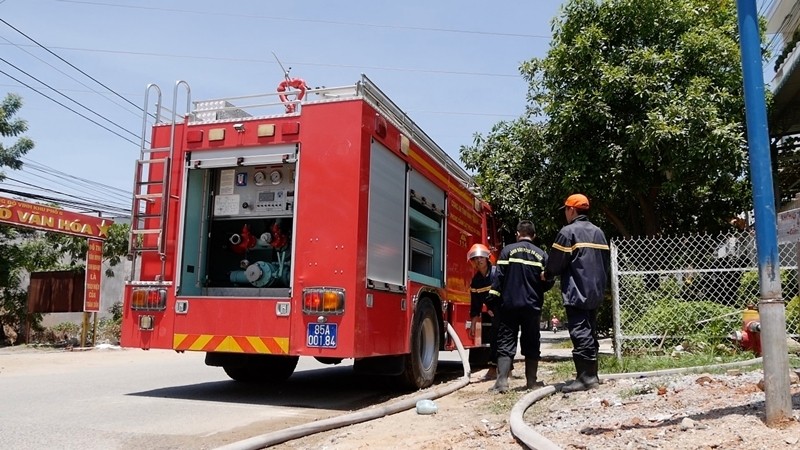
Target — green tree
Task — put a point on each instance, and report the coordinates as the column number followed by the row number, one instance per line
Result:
column 639, row 105
column 11, row 128
column 12, row 255
column 75, row 247
column 21, row 250
column 25, row 250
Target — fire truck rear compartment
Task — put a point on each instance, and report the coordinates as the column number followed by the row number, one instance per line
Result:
column 245, row 215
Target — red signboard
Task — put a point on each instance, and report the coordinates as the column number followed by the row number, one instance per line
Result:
column 42, row 217
column 47, row 218
column 94, row 267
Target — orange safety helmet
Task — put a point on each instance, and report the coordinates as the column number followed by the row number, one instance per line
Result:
column 478, row 250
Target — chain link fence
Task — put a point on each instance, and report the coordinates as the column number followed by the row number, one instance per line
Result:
column 690, row 290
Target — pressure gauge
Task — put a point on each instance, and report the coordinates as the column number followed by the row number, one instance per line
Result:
column 275, row 177
column 259, row 177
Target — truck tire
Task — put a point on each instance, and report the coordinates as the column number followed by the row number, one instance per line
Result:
column 419, row 366
column 261, row 368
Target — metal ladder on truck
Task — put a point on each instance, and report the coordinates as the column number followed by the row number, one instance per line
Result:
column 148, row 224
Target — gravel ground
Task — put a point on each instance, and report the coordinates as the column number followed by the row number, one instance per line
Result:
column 698, row 411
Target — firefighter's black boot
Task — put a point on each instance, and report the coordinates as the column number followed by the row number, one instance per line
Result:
column 503, row 369
column 531, row 367
column 587, row 376
column 592, row 380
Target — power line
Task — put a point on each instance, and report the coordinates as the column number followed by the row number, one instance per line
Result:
column 76, row 194
column 71, row 99
column 293, row 63
column 30, row 162
column 70, row 64
column 87, row 187
column 66, row 202
column 70, row 77
column 67, row 107
column 83, row 201
column 317, row 21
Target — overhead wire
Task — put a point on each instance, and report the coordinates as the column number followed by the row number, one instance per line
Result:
column 86, row 206
column 318, row 21
column 785, row 27
column 293, row 63
column 67, row 107
column 71, row 99
column 31, row 163
column 70, row 64
column 20, row 47
column 69, row 198
column 42, row 182
column 315, row 21
column 86, row 187
column 79, row 184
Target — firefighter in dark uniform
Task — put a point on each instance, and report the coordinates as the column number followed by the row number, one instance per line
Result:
column 479, row 288
column 580, row 256
column 521, row 289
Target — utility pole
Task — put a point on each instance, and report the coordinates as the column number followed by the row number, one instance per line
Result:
column 771, row 308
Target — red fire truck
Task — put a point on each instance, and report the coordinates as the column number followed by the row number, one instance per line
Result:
column 317, row 222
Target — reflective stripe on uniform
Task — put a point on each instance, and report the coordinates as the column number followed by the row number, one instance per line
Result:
column 526, row 262
column 580, row 245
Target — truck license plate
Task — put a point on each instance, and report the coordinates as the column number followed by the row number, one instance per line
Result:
column 321, row 335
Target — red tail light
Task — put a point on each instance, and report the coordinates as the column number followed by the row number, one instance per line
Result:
column 149, row 299
column 323, row 300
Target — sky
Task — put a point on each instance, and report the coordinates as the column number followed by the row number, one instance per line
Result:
column 451, row 65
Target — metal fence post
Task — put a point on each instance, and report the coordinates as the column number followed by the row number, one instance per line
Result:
column 615, row 297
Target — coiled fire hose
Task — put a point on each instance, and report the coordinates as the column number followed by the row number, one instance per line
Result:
column 277, row 437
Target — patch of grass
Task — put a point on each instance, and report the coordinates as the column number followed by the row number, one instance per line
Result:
column 638, row 390
column 502, row 403
column 565, row 344
column 563, row 370
column 649, row 363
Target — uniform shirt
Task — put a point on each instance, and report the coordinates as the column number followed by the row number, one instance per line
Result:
column 479, row 291
column 518, row 282
column 580, row 255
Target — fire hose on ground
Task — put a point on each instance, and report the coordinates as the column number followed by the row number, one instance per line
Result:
column 536, row 441
column 277, row 437
column 519, row 428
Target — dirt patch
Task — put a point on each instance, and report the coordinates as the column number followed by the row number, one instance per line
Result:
column 698, row 411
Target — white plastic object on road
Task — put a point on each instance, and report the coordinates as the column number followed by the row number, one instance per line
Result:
column 426, row 406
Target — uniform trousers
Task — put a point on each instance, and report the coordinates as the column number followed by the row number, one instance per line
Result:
column 582, row 326
column 513, row 321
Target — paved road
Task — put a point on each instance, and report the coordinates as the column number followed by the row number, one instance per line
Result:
column 131, row 399
column 157, row 399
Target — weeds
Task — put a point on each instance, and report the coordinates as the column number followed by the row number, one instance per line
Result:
column 502, row 403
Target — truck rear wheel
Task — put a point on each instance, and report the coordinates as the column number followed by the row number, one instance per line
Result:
column 419, row 366
column 260, row 368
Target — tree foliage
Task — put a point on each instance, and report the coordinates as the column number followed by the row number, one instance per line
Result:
column 639, row 105
column 25, row 250
column 75, row 248
column 10, row 127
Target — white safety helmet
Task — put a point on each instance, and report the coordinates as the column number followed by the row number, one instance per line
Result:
column 478, row 250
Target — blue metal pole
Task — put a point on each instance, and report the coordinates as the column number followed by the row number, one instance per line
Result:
column 771, row 307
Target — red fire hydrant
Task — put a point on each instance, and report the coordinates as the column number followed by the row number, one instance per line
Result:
column 749, row 337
